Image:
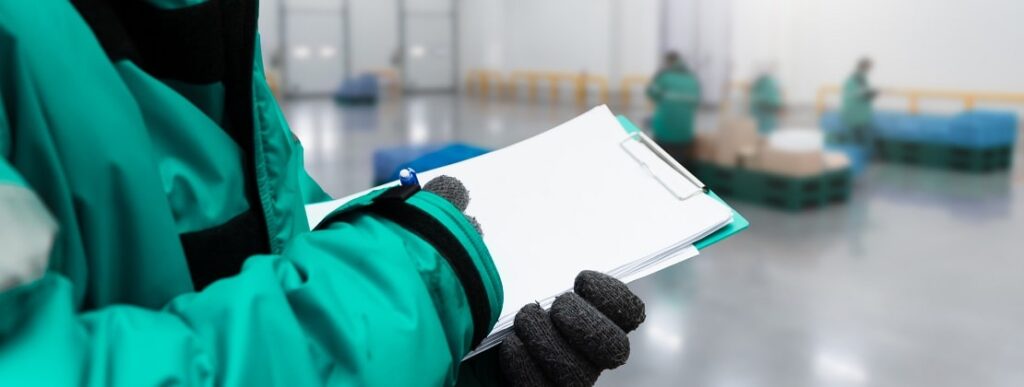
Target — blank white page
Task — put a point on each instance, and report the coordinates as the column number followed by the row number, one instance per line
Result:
column 573, row 199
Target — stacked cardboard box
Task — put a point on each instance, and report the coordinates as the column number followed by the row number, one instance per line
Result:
column 704, row 144
column 791, row 163
column 836, row 161
column 737, row 144
column 736, row 138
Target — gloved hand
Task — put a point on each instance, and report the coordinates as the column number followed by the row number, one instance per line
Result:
column 582, row 335
column 455, row 192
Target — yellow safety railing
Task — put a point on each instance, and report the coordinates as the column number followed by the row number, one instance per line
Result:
column 482, row 81
column 914, row 97
column 392, row 78
column 822, row 98
column 532, row 79
column 584, row 81
column 555, row 80
column 627, row 84
column 275, row 87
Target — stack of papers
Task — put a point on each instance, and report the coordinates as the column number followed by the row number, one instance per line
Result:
column 582, row 196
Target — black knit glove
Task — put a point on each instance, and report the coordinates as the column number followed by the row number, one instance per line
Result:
column 455, row 192
column 582, row 335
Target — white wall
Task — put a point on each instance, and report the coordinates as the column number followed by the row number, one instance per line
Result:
column 605, row 37
column 481, row 44
column 638, row 49
column 700, row 31
column 373, row 28
column 570, row 35
column 374, row 32
column 949, row 44
column 268, row 29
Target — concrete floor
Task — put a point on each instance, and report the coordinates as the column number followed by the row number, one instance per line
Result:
column 915, row 282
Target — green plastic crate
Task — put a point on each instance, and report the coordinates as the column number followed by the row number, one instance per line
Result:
column 785, row 192
column 946, row 156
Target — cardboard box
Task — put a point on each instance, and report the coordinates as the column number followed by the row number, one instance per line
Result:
column 795, row 164
column 835, row 161
column 735, row 136
column 704, row 144
column 746, row 157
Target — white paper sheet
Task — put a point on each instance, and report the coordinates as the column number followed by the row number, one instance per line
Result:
column 573, row 199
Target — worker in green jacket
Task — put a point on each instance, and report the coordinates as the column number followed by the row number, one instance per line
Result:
column 765, row 102
column 153, row 230
column 857, row 115
column 676, row 92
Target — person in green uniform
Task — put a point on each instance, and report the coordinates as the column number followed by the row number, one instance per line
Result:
column 856, row 113
column 153, row 230
column 765, row 102
column 676, row 93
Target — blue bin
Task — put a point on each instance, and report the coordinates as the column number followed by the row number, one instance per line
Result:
column 934, row 129
column 919, row 128
column 984, row 129
column 388, row 162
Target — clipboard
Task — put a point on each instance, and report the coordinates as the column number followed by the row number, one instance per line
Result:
column 738, row 224
column 594, row 160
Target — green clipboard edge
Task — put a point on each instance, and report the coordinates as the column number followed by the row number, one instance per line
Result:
column 739, row 223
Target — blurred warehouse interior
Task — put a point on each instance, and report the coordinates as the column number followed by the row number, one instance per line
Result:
column 909, row 281
column 432, row 45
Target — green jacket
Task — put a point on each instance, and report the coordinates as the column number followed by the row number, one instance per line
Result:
column 857, row 98
column 183, row 254
column 677, row 95
column 765, row 102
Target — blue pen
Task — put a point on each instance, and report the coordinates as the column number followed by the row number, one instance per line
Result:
column 407, row 176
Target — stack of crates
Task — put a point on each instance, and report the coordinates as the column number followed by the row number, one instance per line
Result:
column 778, row 191
column 975, row 141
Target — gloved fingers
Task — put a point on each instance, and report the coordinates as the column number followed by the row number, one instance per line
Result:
column 476, row 224
column 562, row 365
column 517, row 366
column 612, row 297
column 451, row 189
column 588, row 331
column 455, row 192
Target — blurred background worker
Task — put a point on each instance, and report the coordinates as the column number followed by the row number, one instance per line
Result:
column 676, row 92
column 857, row 98
column 765, row 100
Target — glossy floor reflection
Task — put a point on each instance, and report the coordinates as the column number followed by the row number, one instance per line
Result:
column 916, row 282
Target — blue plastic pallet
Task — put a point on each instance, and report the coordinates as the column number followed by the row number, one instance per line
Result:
column 978, row 129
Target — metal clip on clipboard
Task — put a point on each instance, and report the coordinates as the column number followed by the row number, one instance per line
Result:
column 642, row 139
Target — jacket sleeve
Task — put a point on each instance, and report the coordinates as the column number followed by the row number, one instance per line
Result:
column 27, row 229
column 311, row 190
column 358, row 303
